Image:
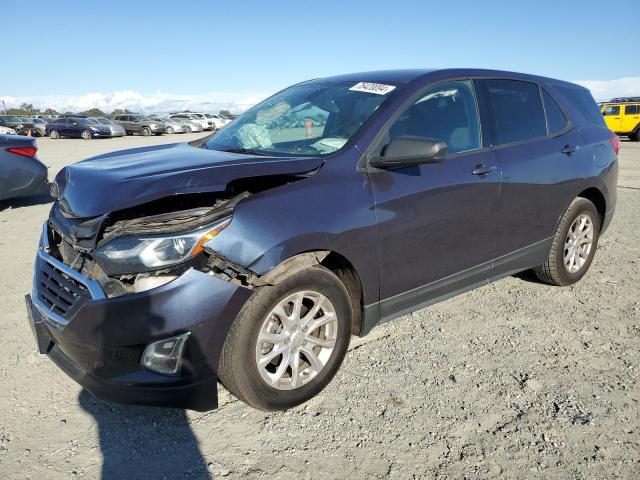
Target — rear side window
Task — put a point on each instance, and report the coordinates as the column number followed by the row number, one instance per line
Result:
column 582, row 100
column 517, row 110
column 631, row 110
column 556, row 120
column 611, row 110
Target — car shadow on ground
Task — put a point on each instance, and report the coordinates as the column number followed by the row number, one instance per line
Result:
column 14, row 203
column 145, row 442
column 529, row 276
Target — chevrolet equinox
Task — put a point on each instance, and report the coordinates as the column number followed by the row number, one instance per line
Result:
column 251, row 256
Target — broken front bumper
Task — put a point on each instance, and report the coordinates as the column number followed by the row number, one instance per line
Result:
column 99, row 341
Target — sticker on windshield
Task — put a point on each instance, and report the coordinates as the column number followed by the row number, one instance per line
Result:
column 377, row 88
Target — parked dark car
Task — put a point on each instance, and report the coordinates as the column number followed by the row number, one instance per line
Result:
column 21, row 173
column 78, row 127
column 115, row 129
column 140, row 124
column 253, row 255
column 21, row 125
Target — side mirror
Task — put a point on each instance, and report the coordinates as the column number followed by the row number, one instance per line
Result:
column 403, row 151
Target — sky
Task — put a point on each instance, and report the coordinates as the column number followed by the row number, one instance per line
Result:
column 206, row 55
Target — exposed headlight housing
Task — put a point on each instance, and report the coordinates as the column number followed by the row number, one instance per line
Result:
column 132, row 254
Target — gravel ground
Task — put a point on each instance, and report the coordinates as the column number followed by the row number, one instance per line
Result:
column 516, row 379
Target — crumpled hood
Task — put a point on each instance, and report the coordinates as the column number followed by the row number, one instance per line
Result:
column 127, row 178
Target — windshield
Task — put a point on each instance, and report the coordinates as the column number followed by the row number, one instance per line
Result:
column 310, row 119
column 105, row 121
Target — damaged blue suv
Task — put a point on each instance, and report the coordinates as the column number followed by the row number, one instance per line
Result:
column 251, row 256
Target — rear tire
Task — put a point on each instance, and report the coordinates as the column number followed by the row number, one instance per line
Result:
column 170, row 130
column 239, row 367
column 54, row 135
column 635, row 136
column 569, row 258
column 85, row 135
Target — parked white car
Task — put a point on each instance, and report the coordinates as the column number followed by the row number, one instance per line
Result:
column 218, row 120
column 196, row 118
column 7, row 131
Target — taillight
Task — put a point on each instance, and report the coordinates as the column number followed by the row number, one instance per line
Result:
column 615, row 142
column 24, row 151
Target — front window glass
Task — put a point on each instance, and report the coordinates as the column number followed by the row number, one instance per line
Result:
column 313, row 119
column 611, row 110
column 447, row 113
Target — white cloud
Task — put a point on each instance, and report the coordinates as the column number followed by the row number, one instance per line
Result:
column 158, row 102
column 607, row 89
column 161, row 102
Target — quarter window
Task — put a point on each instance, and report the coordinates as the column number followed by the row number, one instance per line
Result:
column 517, row 110
column 631, row 110
column 611, row 110
column 556, row 120
column 446, row 112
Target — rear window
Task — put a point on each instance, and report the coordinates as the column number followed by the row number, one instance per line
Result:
column 517, row 109
column 582, row 100
column 631, row 110
column 556, row 120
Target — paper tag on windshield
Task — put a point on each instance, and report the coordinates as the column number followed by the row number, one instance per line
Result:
column 377, row 88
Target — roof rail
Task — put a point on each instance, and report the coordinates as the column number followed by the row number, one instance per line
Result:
column 624, row 100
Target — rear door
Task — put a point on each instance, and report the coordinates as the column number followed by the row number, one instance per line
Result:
column 631, row 118
column 536, row 174
column 613, row 117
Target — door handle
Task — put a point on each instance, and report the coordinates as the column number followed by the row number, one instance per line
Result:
column 569, row 149
column 483, row 169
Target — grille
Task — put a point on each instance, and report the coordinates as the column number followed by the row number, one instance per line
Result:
column 58, row 291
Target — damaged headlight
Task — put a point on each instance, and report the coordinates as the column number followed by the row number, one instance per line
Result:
column 130, row 254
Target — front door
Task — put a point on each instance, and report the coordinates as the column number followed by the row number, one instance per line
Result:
column 436, row 222
column 613, row 117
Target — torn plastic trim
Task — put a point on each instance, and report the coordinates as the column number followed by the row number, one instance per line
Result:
column 229, row 271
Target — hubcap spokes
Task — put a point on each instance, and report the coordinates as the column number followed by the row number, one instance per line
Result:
column 577, row 245
column 296, row 340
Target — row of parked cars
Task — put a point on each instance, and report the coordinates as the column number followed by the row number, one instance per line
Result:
column 117, row 126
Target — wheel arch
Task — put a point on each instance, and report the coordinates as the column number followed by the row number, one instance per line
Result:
column 595, row 196
column 333, row 261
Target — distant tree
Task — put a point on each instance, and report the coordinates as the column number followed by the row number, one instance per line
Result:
column 15, row 111
column 50, row 111
column 225, row 112
column 93, row 112
column 120, row 111
column 28, row 109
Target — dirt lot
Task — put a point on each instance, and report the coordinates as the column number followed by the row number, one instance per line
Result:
column 515, row 379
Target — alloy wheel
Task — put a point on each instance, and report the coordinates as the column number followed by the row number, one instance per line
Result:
column 296, row 340
column 578, row 244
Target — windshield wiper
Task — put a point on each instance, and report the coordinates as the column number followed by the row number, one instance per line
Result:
column 246, row 151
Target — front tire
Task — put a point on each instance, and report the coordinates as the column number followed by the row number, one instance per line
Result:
column 170, row 130
column 635, row 136
column 574, row 245
column 146, row 131
column 288, row 341
column 54, row 135
column 85, row 135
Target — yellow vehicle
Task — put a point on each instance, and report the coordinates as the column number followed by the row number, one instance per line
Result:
column 622, row 115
